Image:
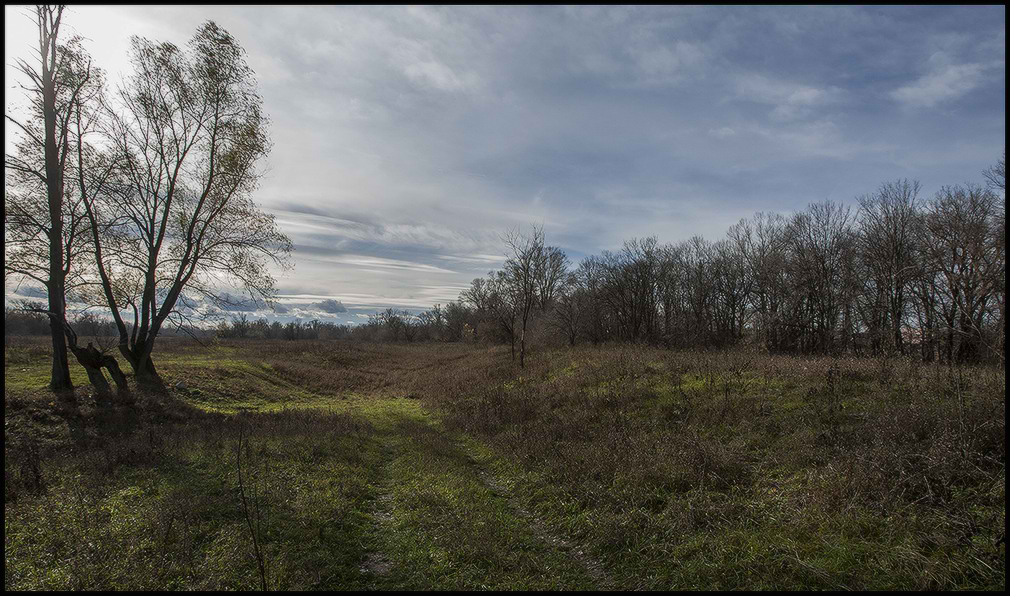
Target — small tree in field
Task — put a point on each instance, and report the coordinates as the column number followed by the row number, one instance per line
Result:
column 522, row 269
column 188, row 130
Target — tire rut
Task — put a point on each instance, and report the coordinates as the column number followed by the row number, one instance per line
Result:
column 593, row 567
column 376, row 562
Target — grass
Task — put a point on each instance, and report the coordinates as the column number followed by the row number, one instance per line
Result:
column 443, row 467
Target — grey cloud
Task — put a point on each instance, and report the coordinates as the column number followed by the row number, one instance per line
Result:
column 946, row 82
column 330, row 306
column 29, row 291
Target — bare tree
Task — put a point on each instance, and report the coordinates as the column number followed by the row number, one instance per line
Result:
column 887, row 252
column 432, row 323
column 29, row 223
column 699, row 290
column 524, row 262
column 456, row 317
column 411, row 324
column 550, row 275
column 822, row 244
column 569, row 308
column 961, row 224
column 640, row 270
column 42, row 238
column 995, row 174
column 668, row 277
column 821, row 281
column 480, row 297
column 504, row 304
column 996, row 180
column 190, row 130
column 630, row 288
column 590, row 276
column 766, row 252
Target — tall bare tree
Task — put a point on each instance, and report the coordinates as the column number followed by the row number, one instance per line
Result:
column 732, row 282
column 504, row 302
column 590, row 276
column 699, row 290
column 821, row 240
column 42, row 240
column 887, row 251
column 996, row 180
column 190, row 130
column 961, row 225
column 480, row 297
column 551, row 273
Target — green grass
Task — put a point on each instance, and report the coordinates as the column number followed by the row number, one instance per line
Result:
column 167, row 514
column 443, row 467
column 450, row 530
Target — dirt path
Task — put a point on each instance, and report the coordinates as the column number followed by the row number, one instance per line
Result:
column 441, row 520
column 377, row 563
column 592, row 566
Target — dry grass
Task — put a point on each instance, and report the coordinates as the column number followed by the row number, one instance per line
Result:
column 642, row 452
column 667, row 469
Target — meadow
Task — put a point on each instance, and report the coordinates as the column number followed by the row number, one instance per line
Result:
column 350, row 465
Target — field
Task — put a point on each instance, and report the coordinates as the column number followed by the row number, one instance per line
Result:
column 339, row 465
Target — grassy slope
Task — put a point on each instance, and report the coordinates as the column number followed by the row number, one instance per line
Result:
column 438, row 467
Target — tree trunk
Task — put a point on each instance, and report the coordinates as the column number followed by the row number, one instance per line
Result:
column 112, row 365
column 54, row 191
column 60, row 381
column 147, row 374
column 93, row 362
column 522, row 344
column 522, row 350
column 143, row 367
column 103, row 392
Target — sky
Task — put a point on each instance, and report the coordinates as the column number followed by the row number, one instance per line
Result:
column 408, row 140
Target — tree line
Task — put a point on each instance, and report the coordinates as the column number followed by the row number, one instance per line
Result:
column 21, row 322
column 896, row 275
column 440, row 323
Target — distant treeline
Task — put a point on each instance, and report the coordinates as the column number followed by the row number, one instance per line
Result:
column 242, row 328
column 19, row 321
column 436, row 324
column 897, row 275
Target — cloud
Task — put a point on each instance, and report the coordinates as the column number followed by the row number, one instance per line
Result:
column 946, row 82
column 439, row 76
column 30, row 291
column 721, row 133
column 791, row 101
column 329, row 306
column 228, row 302
column 659, row 63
